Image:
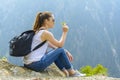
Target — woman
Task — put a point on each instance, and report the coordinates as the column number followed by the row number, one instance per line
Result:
column 40, row 59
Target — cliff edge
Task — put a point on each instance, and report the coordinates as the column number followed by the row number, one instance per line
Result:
column 13, row 72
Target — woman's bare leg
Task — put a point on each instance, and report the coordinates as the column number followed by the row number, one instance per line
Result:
column 65, row 72
column 71, row 71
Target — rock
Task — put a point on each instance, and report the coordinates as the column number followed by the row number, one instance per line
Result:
column 16, row 71
column 4, row 72
column 13, row 72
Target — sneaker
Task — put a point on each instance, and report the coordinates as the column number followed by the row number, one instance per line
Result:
column 78, row 74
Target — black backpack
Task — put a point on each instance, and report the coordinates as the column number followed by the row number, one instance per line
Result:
column 21, row 45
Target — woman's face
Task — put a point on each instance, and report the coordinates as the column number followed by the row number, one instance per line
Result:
column 50, row 22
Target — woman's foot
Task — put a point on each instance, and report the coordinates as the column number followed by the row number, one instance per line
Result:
column 75, row 73
column 78, row 74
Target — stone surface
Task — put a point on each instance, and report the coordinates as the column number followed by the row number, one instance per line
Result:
column 13, row 72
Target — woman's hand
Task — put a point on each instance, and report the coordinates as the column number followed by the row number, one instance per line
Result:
column 65, row 28
column 69, row 55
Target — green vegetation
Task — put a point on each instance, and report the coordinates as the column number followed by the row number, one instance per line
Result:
column 3, row 58
column 98, row 70
column 63, row 23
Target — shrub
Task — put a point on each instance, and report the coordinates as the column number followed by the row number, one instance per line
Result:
column 3, row 58
column 98, row 70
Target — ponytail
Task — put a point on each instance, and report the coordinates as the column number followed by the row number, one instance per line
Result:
column 36, row 24
column 40, row 18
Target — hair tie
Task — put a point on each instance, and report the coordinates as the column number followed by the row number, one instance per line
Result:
column 40, row 13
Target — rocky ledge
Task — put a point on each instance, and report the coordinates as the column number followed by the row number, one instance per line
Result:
column 13, row 72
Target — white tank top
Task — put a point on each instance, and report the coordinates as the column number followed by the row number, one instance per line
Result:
column 38, row 53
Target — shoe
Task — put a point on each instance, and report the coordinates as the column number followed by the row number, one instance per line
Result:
column 77, row 74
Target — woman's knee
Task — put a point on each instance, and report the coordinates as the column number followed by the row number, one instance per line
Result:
column 61, row 49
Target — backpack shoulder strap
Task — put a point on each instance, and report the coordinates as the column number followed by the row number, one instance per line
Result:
column 39, row 45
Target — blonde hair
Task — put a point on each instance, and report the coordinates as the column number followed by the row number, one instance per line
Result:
column 40, row 18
